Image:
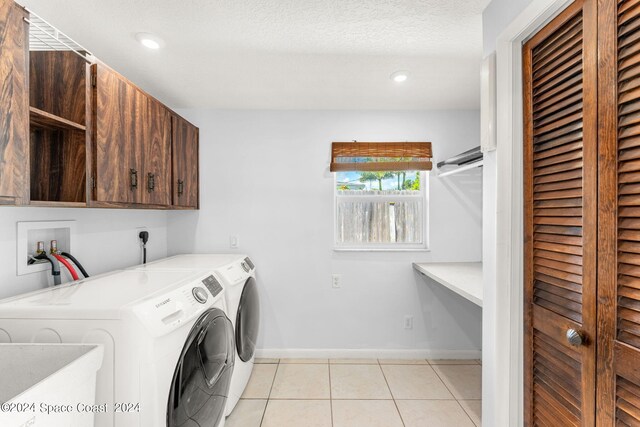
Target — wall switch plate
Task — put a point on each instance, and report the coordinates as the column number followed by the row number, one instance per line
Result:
column 234, row 242
column 336, row 281
column 31, row 232
column 408, row 322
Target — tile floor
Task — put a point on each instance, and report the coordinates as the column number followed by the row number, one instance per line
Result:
column 361, row 393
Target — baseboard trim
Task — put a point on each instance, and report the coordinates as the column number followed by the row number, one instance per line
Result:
column 276, row 353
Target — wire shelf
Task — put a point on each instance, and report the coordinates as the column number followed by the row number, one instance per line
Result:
column 45, row 37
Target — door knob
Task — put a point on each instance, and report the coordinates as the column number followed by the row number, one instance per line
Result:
column 574, row 338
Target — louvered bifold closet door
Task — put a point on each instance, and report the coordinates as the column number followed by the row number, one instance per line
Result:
column 619, row 218
column 560, row 185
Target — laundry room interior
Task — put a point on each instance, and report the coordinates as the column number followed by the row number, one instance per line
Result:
column 319, row 214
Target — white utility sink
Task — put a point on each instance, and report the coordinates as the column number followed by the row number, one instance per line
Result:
column 49, row 384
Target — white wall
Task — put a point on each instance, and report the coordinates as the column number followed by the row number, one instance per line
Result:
column 496, row 17
column 264, row 177
column 106, row 239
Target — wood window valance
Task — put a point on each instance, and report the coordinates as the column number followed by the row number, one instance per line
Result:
column 380, row 156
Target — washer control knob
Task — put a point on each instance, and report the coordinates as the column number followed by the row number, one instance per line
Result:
column 245, row 266
column 200, row 294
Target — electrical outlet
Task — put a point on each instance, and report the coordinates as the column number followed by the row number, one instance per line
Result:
column 408, row 322
column 336, row 280
column 234, row 242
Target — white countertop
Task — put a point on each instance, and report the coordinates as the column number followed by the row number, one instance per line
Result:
column 463, row 278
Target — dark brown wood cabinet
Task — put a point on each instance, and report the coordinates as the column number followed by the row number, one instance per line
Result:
column 76, row 133
column 14, row 104
column 131, row 143
column 582, row 217
column 116, row 156
column 153, row 132
column 185, row 163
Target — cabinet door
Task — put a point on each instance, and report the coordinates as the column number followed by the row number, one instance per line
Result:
column 560, row 223
column 14, row 104
column 619, row 228
column 185, row 163
column 153, row 133
column 117, row 153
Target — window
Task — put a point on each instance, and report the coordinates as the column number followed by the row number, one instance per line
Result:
column 380, row 210
column 380, row 194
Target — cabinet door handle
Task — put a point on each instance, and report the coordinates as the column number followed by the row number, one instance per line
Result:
column 180, row 187
column 151, row 182
column 133, row 174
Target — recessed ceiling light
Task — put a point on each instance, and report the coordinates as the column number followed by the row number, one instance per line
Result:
column 149, row 40
column 399, row 76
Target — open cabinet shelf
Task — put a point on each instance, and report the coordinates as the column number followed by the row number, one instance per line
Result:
column 58, row 165
column 43, row 119
column 58, row 133
column 52, row 204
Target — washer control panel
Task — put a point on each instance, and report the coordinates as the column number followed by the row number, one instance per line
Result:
column 200, row 294
column 213, row 285
column 167, row 311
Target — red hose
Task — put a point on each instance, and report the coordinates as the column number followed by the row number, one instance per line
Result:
column 67, row 265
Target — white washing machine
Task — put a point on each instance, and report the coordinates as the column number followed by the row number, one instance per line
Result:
column 168, row 343
column 237, row 274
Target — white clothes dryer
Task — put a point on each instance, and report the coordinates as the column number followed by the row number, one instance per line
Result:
column 168, row 343
column 237, row 274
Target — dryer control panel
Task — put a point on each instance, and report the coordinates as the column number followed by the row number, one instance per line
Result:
column 235, row 273
column 164, row 313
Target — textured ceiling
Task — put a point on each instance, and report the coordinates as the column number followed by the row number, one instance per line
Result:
column 286, row 54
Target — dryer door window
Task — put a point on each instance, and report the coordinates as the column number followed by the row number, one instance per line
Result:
column 202, row 377
column 248, row 320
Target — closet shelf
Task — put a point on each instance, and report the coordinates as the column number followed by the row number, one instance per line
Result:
column 463, row 278
column 442, row 174
column 464, row 161
column 48, row 120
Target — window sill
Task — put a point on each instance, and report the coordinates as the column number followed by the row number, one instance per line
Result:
column 381, row 250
